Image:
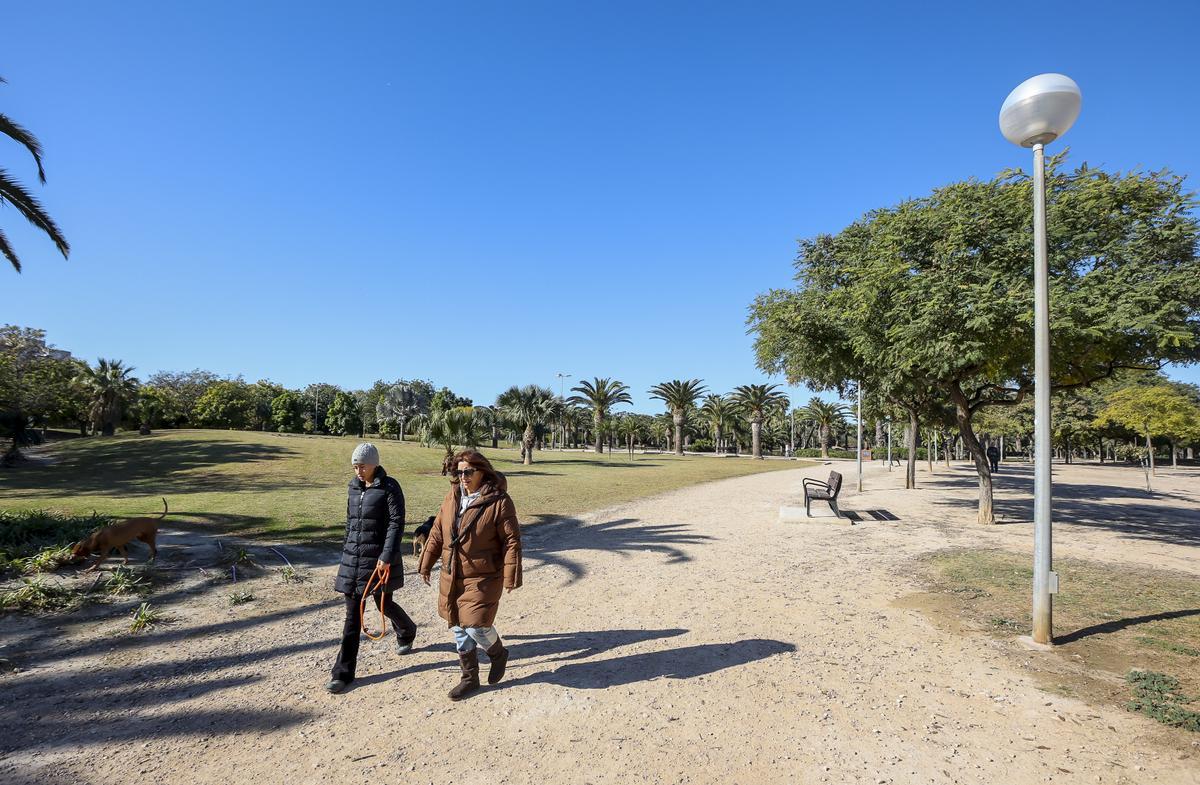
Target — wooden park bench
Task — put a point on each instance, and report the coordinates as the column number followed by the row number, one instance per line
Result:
column 823, row 491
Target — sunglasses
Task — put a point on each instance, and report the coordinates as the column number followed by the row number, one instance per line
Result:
column 463, row 472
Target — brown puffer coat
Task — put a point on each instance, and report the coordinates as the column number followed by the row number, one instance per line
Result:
column 484, row 561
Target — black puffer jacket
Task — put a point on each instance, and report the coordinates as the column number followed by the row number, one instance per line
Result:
column 374, row 528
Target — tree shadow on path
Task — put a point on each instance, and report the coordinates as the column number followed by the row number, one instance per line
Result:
column 1119, row 508
column 553, row 537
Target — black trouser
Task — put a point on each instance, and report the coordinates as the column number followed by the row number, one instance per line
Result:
column 347, row 657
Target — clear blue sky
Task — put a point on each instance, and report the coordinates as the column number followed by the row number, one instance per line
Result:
column 487, row 193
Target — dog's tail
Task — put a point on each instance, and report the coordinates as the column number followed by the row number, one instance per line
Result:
column 164, row 512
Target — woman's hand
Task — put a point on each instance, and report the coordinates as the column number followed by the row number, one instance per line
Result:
column 425, row 577
column 379, row 565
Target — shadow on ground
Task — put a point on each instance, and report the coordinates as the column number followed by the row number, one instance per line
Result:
column 147, row 465
column 552, row 537
column 1120, row 508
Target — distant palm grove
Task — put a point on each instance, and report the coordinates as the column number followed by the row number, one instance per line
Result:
column 43, row 387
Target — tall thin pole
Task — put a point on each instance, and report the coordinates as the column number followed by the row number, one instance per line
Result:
column 1043, row 603
column 860, row 437
column 792, row 440
column 889, row 445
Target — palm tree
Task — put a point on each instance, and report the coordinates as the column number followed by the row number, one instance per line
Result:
column 756, row 402
column 601, row 395
column 400, row 402
column 459, row 425
column 631, row 427
column 109, row 387
column 680, row 397
column 12, row 192
column 490, row 419
column 718, row 411
column 529, row 406
column 825, row 416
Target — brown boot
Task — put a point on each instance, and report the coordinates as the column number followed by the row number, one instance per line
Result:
column 470, row 676
column 499, row 657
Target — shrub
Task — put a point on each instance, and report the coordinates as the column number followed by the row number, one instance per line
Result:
column 1158, row 696
column 33, row 540
column 37, row 595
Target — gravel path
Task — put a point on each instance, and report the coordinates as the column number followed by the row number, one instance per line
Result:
column 687, row 638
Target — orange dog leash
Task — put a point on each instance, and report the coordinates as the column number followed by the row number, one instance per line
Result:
column 380, row 576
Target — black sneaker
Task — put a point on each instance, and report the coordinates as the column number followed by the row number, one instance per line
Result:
column 336, row 686
column 404, row 646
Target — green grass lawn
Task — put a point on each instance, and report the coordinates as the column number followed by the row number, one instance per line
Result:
column 294, row 487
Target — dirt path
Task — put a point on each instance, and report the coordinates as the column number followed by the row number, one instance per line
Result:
column 688, row 638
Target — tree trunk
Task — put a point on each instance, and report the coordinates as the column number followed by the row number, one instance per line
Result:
column 1149, row 451
column 1174, row 452
column 931, row 450
column 879, row 437
column 598, row 420
column 824, row 441
column 756, row 439
column 962, row 414
column 910, row 441
column 717, row 446
column 678, row 420
column 495, row 437
column 527, row 445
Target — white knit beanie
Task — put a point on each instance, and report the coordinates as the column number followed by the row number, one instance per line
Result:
column 365, row 453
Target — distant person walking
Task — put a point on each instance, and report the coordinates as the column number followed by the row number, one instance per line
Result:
column 478, row 538
column 993, row 456
column 374, row 529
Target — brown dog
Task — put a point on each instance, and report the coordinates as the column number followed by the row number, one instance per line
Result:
column 118, row 536
column 420, row 535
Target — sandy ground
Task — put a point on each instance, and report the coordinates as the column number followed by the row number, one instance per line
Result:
column 688, row 638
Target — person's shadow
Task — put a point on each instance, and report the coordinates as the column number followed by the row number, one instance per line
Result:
column 535, row 652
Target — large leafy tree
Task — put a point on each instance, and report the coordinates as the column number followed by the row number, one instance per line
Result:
column 110, row 386
column 936, row 293
column 680, row 398
column 344, row 416
column 529, row 406
column 402, row 401
column 228, row 403
column 1160, row 410
column 601, row 395
column 14, row 194
column 756, row 402
column 287, row 412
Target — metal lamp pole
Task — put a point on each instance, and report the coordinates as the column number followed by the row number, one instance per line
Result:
column 1037, row 112
column 860, row 437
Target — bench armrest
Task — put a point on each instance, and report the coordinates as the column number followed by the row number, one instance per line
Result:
column 806, row 481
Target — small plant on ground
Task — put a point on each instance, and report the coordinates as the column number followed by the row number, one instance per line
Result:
column 144, row 618
column 35, row 594
column 126, row 581
column 1159, row 697
column 35, row 540
column 1007, row 625
column 240, row 597
column 290, row 574
column 1177, row 648
column 45, row 560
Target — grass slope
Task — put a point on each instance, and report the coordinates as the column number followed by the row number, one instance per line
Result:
column 294, row 487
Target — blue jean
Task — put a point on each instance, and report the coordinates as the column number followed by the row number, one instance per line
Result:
column 466, row 638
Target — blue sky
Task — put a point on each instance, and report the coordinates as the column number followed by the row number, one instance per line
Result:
column 490, row 193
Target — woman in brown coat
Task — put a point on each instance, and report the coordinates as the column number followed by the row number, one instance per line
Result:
column 478, row 538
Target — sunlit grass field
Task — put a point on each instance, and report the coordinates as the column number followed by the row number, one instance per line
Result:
column 293, row 488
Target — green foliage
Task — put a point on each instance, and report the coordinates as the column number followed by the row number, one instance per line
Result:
column 287, row 412
column 179, row 393
column 126, row 581
column 344, row 416
column 1159, row 697
column 144, row 617
column 13, row 194
column 1160, row 410
column 37, row 594
column 225, row 404
column 445, row 399
column 600, row 395
column 240, row 597
column 31, row 540
column 933, row 298
column 109, row 388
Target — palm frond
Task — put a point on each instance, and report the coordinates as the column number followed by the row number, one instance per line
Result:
column 9, row 253
column 22, row 136
column 15, row 194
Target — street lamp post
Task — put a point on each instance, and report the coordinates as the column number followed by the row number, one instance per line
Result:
column 860, row 437
column 1036, row 113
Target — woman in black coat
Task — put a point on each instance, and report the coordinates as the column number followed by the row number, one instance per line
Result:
column 374, row 528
